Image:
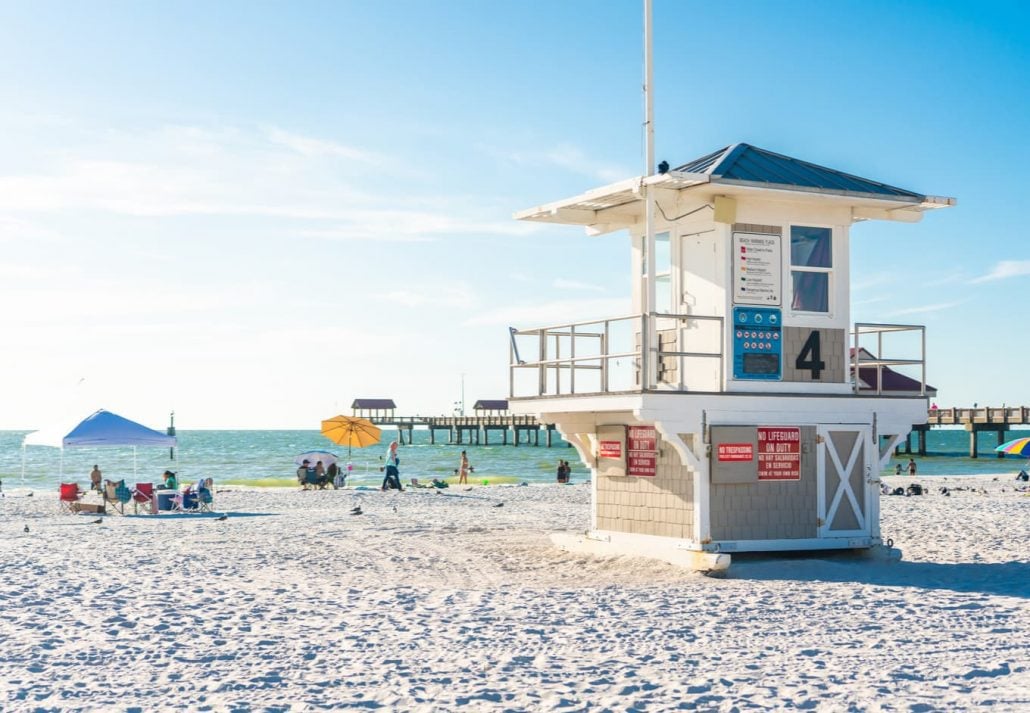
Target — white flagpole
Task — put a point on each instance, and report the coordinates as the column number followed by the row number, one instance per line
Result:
column 648, row 365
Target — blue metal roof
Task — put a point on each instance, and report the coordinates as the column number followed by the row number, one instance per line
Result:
column 751, row 165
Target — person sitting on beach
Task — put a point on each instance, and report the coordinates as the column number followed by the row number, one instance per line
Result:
column 169, row 482
column 95, row 479
column 302, row 474
column 320, row 480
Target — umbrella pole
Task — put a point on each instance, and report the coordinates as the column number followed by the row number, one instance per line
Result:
column 134, row 463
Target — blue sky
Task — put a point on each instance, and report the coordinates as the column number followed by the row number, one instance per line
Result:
column 252, row 213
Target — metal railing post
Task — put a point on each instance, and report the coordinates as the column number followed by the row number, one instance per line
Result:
column 572, row 355
column 645, row 349
column 922, row 358
column 604, row 356
column 542, row 372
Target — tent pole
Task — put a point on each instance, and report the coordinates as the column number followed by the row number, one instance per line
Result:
column 134, row 463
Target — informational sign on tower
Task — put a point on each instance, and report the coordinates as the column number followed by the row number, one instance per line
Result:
column 779, row 453
column 641, row 450
column 756, row 269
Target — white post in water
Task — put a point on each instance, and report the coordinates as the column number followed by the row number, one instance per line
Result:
column 649, row 371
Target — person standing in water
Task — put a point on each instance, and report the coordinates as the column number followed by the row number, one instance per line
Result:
column 463, row 469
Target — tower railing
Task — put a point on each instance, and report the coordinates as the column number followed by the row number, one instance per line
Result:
column 610, row 355
column 871, row 374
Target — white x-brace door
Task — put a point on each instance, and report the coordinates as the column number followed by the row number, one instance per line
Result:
column 843, row 480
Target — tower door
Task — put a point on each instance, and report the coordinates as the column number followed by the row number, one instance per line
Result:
column 844, row 463
column 702, row 293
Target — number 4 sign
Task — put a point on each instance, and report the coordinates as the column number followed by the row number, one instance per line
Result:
column 810, row 357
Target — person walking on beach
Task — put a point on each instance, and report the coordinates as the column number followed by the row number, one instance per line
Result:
column 463, row 469
column 911, row 467
column 95, row 478
column 392, row 478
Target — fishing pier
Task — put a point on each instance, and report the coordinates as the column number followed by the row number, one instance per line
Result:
column 975, row 420
column 491, row 417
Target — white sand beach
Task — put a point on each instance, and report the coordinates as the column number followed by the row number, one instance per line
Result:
column 431, row 602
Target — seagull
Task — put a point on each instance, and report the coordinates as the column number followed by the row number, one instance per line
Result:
column 356, row 511
column 223, row 517
column 498, row 505
column 26, row 528
column 98, row 521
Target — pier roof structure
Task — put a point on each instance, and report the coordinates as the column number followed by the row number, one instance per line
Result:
column 737, row 170
column 373, row 403
column 491, row 405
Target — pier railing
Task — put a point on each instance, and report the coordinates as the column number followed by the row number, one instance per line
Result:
column 626, row 354
column 870, row 364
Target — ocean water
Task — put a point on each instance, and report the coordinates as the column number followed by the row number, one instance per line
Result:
column 266, row 458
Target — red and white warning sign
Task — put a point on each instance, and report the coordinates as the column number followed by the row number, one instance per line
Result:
column 610, row 449
column 779, row 453
column 735, row 452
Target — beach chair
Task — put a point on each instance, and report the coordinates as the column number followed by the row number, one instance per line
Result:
column 205, row 501
column 143, row 496
column 68, row 497
column 118, row 494
column 311, row 479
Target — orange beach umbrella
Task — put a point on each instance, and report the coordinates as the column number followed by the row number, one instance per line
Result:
column 351, row 432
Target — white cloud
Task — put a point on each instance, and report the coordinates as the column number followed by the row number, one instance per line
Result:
column 1004, row 270
column 564, row 284
column 565, row 156
column 432, row 296
column 238, row 172
column 555, row 312
column 924, row 309
column 320, row 147
column 875, row 280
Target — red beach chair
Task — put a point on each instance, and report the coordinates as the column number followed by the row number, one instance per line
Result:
column 68, row 495
column 143, row 495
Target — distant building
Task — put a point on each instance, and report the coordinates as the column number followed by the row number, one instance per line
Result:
column 890, row 381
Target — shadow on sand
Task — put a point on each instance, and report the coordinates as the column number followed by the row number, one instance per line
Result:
column 1011, row 579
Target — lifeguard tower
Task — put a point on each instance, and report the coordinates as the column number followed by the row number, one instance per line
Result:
column 723, row 414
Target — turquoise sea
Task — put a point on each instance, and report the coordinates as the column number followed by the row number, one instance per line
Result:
column 266, row 458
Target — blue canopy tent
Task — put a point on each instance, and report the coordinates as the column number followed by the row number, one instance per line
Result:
column 109, row 429
column 103, row 428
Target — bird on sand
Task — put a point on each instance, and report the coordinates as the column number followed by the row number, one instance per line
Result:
column 98, row 521
column 356, row 511
column 223, row 517
column 26, row 528
column 498, row 505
